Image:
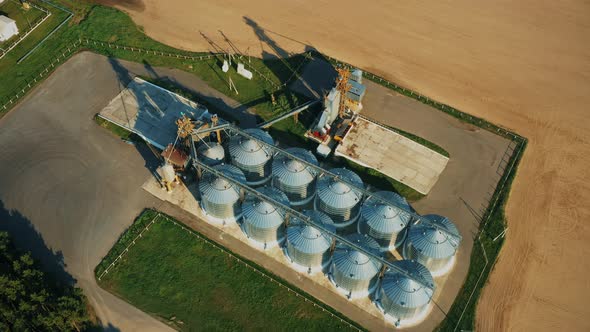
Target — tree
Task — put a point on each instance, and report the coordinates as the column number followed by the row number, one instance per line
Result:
column 32, row 301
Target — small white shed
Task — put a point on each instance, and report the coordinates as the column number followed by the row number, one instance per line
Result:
column 8, row 28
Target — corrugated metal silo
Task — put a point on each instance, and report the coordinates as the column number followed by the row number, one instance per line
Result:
column 262, row 221
column 384, row 222
column 401, row 297
column 307, row 246
column 252, row 157
column 211, row 153
column 430, row 246
column 295, row 179
column 353, row 271
column 220, row 199
column 337, row 199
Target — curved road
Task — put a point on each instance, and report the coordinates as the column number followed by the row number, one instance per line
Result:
column 73, row 182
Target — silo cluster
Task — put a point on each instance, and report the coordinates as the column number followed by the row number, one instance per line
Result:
column 251, row 156
column 430, row 243
column 337, row 198
column 262, row 221
column 386, row 223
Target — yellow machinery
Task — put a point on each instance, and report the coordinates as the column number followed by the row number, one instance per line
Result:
column 185, row 126
column 342, row 86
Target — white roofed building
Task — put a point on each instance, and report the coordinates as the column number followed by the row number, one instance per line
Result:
column 8, row 28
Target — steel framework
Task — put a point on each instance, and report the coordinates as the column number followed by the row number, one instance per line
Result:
column 293, row 213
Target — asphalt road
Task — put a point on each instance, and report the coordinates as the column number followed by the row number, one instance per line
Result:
column 73, row 182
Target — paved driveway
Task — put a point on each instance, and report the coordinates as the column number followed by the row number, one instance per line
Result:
column 73, row 182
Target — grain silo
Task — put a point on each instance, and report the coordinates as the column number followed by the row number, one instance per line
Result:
column 401, row 297
column 307, row 246
column 431, row 246
column 295, row 179
column 210, row 153
column 386, row 223
column 220, row 199
column 262, row 221
column 251, row 156
column 352, row 271
column 337, row 199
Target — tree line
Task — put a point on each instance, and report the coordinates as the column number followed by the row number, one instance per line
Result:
column 31, row 300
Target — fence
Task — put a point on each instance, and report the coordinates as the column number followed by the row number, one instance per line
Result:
column 20, row 38
column 296, row 292
column 62, row 55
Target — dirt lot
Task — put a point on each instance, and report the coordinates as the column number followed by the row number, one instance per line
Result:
column 524, row 65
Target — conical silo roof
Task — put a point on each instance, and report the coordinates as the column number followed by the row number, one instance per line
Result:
column 402, row 290
column 432, row 242
column 308, row 239
column 354, row 264
column 211, row 153
column 337, row 198
column 386, row 218
column 246, row 151
column 218, row 190
column 262, row 214
column 291, row 172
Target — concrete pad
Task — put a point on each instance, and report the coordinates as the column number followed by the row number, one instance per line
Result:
column 150, row 111
column 375, row 146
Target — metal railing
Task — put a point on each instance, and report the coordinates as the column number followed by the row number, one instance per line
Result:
column 309, row 221
column 323, row 172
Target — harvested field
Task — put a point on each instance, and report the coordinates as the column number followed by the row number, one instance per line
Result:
column 524, row 65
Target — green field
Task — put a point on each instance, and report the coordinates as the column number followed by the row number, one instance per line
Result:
column 192, row 285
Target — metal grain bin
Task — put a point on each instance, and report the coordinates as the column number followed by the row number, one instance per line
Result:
column 430, row 246
column 262, row 221
column 353, row 271
column 401, row 297
column 220, row 198
column 294, row 178
column 252, row 157
column 211, row 153
column 337, row 199
column 307, row 246
column 386, row 223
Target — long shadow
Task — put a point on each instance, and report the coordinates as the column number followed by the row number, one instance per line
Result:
column 284, row 66
column 27, row 238
column 214, row 105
